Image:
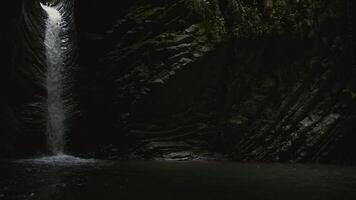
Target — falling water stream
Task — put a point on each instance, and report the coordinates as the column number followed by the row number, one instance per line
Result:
column 56, row 114
column 57, row 105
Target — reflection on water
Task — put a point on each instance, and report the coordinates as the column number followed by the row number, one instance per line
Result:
column 66, row 178
column 59, row 159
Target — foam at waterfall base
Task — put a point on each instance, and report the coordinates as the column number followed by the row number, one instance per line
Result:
column 59, row 159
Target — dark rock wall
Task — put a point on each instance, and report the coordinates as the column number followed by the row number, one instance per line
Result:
column 190, row 76
column 9, row 16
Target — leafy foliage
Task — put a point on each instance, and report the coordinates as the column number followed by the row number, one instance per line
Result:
column 297, row 17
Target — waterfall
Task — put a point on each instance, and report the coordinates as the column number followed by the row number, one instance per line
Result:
column 55, row 80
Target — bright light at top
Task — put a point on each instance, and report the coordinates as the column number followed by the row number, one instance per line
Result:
column 52, row 12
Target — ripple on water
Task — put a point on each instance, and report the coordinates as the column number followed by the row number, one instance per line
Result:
column 60, row 159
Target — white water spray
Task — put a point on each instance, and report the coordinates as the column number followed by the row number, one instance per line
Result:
column 55, row 80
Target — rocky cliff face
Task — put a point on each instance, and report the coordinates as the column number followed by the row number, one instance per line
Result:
column 191, row 78
column 183, row 78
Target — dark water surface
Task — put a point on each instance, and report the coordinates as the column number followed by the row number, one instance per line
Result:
column 71, row 178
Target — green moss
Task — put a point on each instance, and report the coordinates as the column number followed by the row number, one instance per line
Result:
column 212, row 22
